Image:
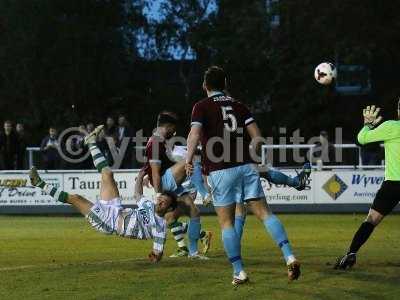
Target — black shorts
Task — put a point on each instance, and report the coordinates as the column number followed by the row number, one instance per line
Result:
column 387, row 197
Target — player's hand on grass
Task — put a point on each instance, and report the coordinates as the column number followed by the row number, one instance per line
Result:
column 371, row 116
column 155, row 257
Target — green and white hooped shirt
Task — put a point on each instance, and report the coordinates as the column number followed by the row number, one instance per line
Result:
column 143, row 223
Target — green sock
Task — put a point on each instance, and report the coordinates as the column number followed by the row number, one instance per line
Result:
column 100, row 162
column 56, row 193
column 41, row 184
column 177, row 231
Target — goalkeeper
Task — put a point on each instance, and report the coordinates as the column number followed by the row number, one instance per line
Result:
column 389, row 194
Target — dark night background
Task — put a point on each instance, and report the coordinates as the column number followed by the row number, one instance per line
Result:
column 135, row 57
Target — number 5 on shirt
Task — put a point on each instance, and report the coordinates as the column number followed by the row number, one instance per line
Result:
column 227, row 114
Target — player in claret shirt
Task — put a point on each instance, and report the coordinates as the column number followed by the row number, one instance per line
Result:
column 225, row 128
column 167, row 175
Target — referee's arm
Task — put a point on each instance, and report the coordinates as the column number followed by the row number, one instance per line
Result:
column 379, row 134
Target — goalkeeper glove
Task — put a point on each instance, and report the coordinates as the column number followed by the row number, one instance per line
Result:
column 371, row 116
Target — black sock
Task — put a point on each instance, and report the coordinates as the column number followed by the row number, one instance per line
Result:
column 361, row 236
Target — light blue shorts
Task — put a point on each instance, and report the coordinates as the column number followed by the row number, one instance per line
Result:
column 168, row 183
column 235, row 185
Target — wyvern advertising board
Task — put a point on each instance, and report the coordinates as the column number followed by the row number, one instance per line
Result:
column 347, row 186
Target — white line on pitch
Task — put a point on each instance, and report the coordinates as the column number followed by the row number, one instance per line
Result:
column 93, row 263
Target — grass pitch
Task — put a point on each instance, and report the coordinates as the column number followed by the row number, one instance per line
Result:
column 64, row 258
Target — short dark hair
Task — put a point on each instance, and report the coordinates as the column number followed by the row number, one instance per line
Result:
column 173, row 197
column 167, row 117
column 215, row 78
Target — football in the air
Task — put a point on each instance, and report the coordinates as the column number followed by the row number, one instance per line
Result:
column 325, row 73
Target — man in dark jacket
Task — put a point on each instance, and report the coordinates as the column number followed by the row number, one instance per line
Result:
column 23, row 144
column 125, row 131
column 9, row 147
column 49, row 148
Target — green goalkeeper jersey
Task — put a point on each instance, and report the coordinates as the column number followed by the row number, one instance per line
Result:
column 389, row 133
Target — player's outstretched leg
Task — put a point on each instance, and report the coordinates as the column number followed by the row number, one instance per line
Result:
column 278, row 233
column 363, row 233
column 299, row 182
column 81, row 204
column 108, row 189
column 99, row 161
column 51, row 190
column 303, row 176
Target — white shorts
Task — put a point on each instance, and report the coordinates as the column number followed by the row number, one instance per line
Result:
column 104, row 214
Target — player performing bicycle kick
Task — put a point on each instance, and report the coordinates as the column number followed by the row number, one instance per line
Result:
column 107, row 215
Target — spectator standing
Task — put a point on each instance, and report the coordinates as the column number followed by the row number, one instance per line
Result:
column 49, row 149
column 78, row 142
column 125, row 131
column 87, row 164
column 23, row 144
column 78, row 149
column 9, row 147
column 110, row 128
column 324, row 152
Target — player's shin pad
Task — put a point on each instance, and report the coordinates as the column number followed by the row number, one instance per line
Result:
column 239, row 223
column 99, row 161
column 232, row 248
column 278, row 234
column 194, row 235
